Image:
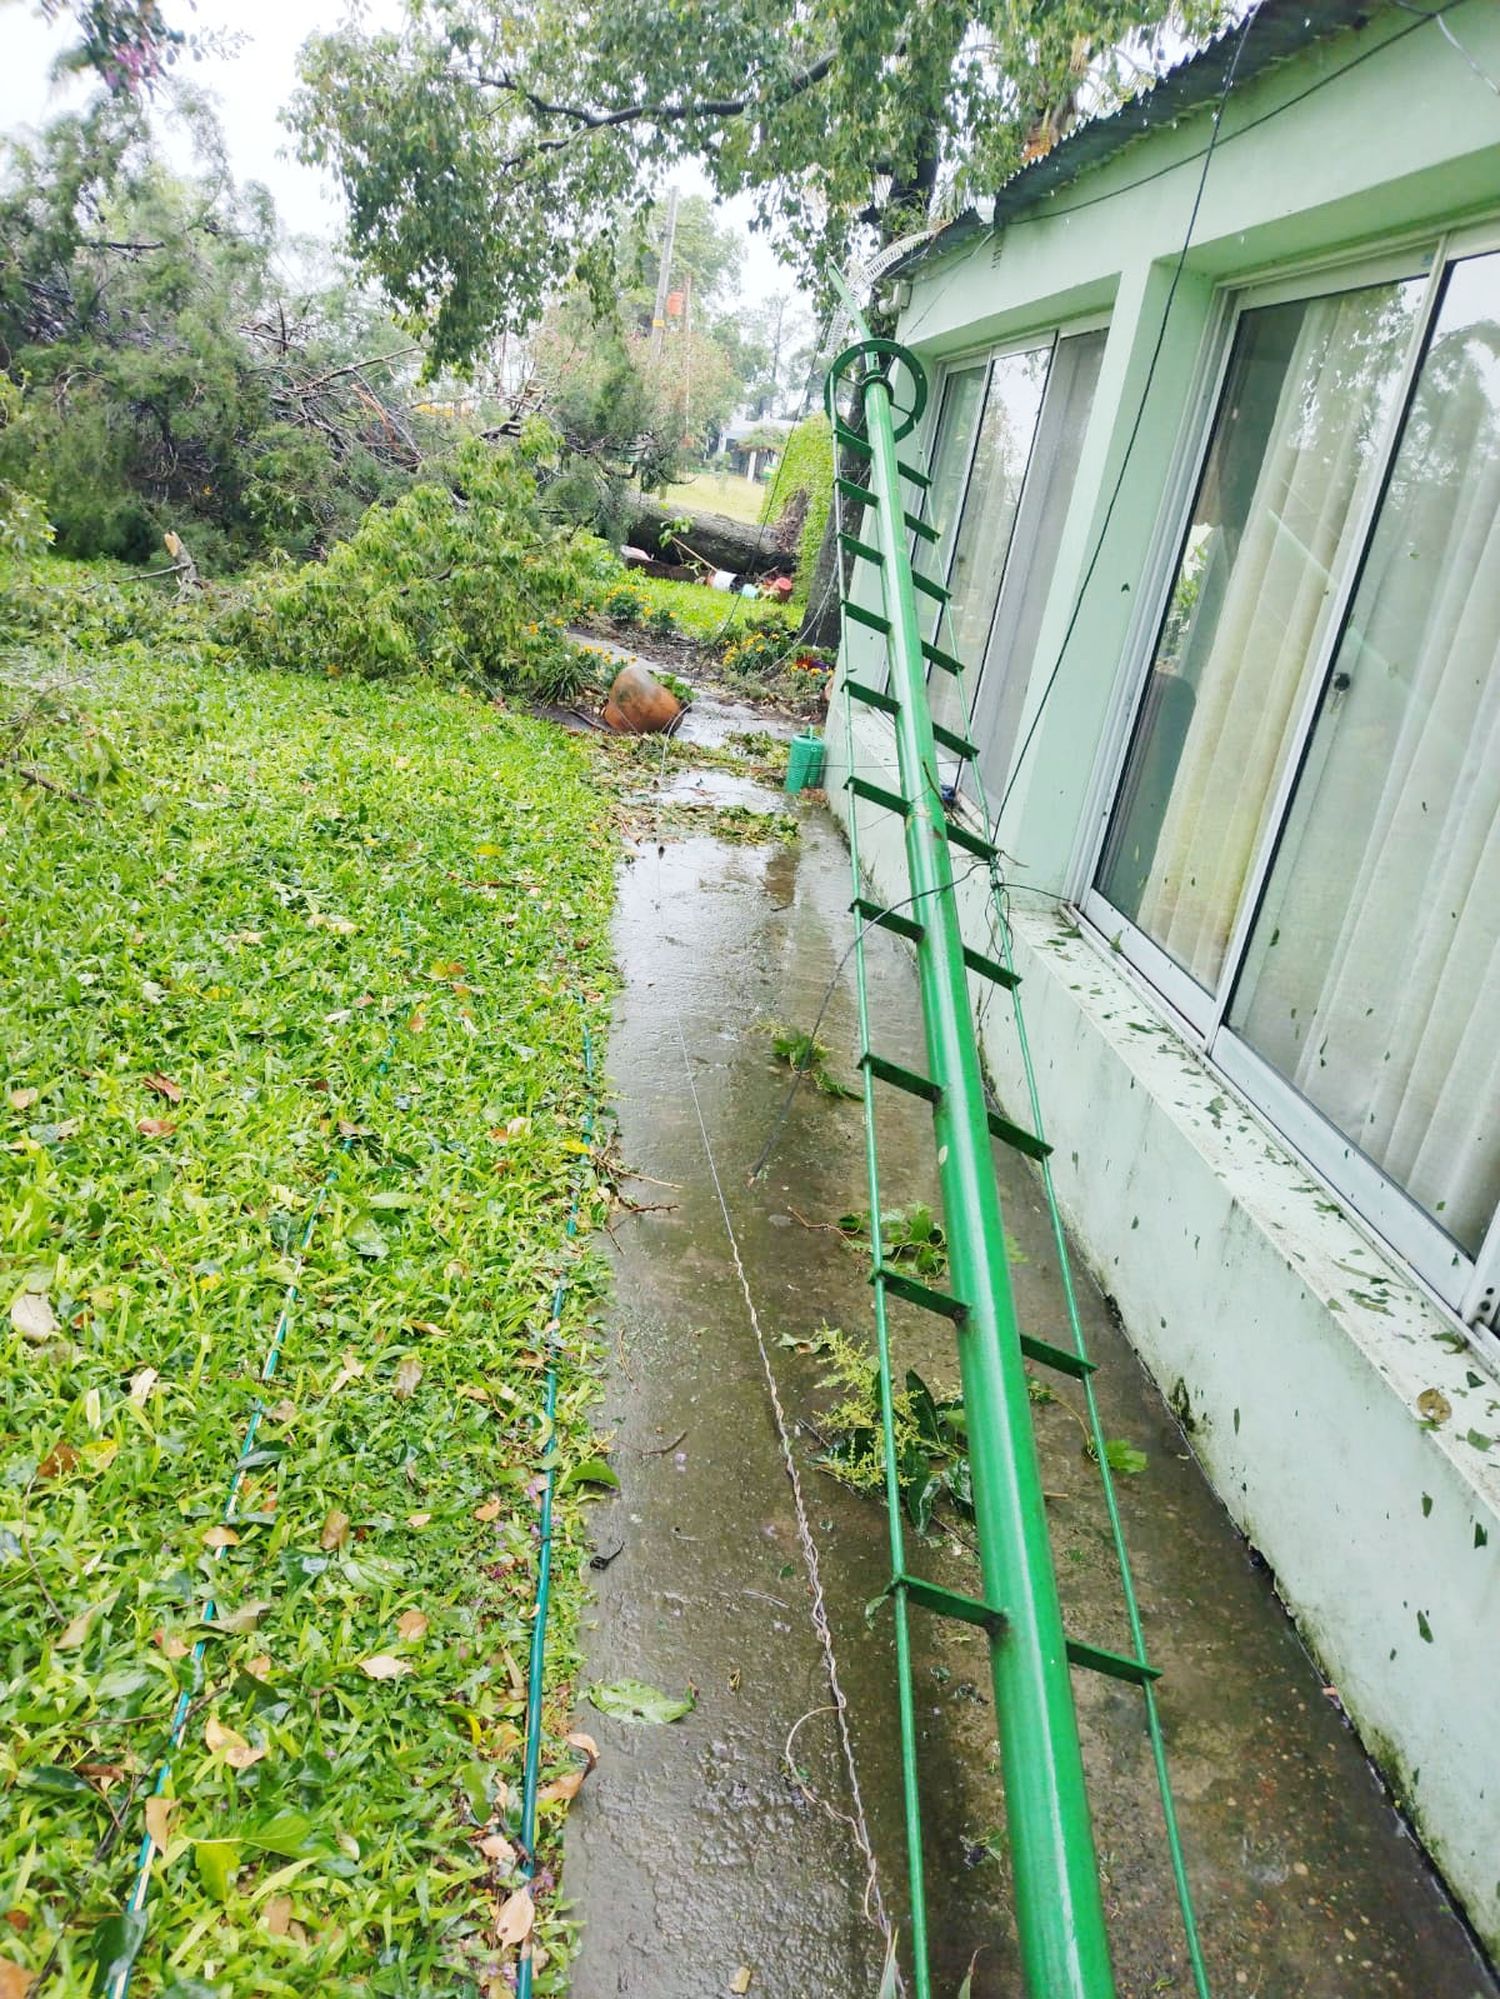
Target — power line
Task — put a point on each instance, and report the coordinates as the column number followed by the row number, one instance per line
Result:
column 1135, row 431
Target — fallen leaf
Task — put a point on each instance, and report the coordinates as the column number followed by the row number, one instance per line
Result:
column 164, row 1086
column 740, row 1982
column 633, row 1700
column 244, row 1619
column 33, row 1317
column 495, row 1846
column 1434, row 1405
column 335, row 1530
column 221, row 1537
column 278, row 1914
column 22, row 1100
column 517, row 1914
column 411, row 1625
column 490, row 1509
column 259, row 1667
column 156, row 1127
column 418, row 1519
column 408, row 1374
column 383, row 1667
column 427, row 1326
column 142, row 1384
column 171, row 1645
column 562, row 1790
column 61, row 1458
column 160, row 1813
column 15, row 1981
column 578, row 1739
column 351, row 1370
column 418, row 1022
column 235, row 1750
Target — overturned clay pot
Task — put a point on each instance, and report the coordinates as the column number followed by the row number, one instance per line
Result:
column 639, row 705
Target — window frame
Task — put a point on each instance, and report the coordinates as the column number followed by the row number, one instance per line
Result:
column 970, row 797
column 1468, row 1286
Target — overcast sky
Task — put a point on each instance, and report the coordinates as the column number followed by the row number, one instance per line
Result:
column 251, row 88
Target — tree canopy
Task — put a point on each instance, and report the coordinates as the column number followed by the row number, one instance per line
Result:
column 488, row 152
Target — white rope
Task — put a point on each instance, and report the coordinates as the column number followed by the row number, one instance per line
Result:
column 874, row 1904
column 858, row 1825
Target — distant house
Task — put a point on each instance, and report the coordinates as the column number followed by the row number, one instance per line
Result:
column 753, row 450
column 1215, row 443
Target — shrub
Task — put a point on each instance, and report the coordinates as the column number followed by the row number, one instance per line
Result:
column 662, row 624
column 624, row 606
column 470, row 584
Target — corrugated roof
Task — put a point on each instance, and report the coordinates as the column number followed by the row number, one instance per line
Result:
column 1278, row 30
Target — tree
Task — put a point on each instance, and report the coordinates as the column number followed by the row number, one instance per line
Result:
column 161, row 374
column 488, row 154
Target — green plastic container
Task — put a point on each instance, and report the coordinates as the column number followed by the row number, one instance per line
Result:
column 804, row 765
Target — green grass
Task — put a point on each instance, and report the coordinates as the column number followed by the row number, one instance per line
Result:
column 704, row 614
column 286, row 884
column 720, row 493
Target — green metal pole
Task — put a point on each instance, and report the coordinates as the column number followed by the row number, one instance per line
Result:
column 1059, row 1911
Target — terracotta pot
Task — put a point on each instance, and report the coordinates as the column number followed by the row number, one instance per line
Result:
column 639, row 705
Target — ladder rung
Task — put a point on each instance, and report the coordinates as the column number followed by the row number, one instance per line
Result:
column 972, row 843
column 876, row 794
column 872, row 619
column 915, row 1293
column 924, row 530
column 1057, row 1358
column 991, row 968
column 861, row 495
column 862, row 548
column 873, row 697
column 1017, row 1136
column 910, row 472
column 901, row 1079
column 949, row 1603
column 950, row 740
column 935, row 656
column 1118, row 1667
column 928, row 588
column 888, row 919
column 853, row 439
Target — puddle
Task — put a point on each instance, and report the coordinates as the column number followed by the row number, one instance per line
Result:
column 693, row 1852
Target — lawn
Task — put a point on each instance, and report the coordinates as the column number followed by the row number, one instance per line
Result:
column 721, row 493
column 293, row 1026
column 697, row 612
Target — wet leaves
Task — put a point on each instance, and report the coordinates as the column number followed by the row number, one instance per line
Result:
column 633, row 1700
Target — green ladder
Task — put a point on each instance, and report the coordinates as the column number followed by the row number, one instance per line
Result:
column 1059, row 1912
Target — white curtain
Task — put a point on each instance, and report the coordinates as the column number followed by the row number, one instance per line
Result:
column 1267, row 630
column 1375, row 973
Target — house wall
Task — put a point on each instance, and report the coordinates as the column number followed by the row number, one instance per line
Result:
column 1293, row 1345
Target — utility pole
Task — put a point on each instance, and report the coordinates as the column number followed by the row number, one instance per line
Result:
column 664, row 277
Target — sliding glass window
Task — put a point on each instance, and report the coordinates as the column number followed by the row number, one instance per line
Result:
column 1308, row 824
column 996, row 553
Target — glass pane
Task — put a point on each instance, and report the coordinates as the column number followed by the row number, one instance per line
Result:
column 1000, row 460
column 1373, row 977
column 963, row 391
column 1001, row 455
column 1308, row 390
column 1044, row 506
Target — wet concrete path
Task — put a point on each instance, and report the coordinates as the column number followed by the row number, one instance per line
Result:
column 693, row 1854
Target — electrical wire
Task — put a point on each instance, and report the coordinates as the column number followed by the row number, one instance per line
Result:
column 1130, row 443
column 536, row 1676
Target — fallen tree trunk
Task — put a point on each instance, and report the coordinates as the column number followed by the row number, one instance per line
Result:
column 672, row 532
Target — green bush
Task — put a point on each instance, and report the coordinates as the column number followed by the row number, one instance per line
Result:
column 624, row 606
column 662, row 624
column 471, row 585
